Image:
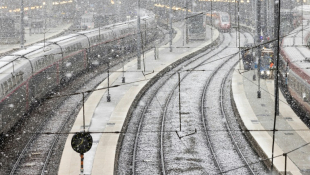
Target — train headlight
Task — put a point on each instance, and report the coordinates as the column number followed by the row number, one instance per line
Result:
column 268, row 72
column 262, row 72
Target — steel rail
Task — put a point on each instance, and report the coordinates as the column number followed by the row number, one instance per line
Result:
column 149, row 102
column 221, row 99
column 202, row 104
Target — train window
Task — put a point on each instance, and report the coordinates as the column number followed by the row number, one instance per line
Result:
column 297, row 87
column 14, row 80
column 19, row 78
column 293, row 82
column 2, row 90
column 6, row 87
column 10, row 83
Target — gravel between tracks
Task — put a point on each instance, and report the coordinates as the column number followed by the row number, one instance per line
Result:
column 184, row 154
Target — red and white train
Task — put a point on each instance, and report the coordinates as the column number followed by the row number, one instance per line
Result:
column 295, row 69
column 220, row 20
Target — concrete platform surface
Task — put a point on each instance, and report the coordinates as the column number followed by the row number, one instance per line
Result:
column 106, row 116
column 258, row 114
column 34, row 38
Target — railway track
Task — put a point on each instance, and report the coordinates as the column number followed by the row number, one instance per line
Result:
column 159, row 147
column 37, row 152
column 211, row 121
column 164, row 110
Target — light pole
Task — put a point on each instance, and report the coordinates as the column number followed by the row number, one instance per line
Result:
column 184, row 15
column 22, row 33
column 302, row 22
column 123, row 78
column 170, row 19
column 186, row 26
column 277, row 6
column 180, row 116
column 138, row 39
column 211, row 23
column 239, row 35
column 108, row 63
column 258, row 29
column 143, row 43
column 109, row 96
column 44, row 37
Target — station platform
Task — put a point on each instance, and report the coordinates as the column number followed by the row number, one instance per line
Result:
column 258, row 114
column 34, row 38
column 103, row 116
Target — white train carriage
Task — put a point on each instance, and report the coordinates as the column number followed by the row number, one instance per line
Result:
column 26, row 76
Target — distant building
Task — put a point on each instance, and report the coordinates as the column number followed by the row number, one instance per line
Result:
column 8, row 33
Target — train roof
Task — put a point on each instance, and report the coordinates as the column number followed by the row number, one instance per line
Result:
column 218, row 12
column 296, row 52
column 63, row 38
column 6, row 60
column 28, row 50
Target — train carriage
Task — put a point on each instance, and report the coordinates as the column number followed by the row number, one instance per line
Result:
column 29, row 75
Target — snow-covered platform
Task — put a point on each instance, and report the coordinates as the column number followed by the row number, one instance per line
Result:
column 103, row 116
column 35, row 38
column 257, row 116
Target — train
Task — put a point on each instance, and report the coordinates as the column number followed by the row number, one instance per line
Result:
column 220, row 20
column 27, row 76
column 294, row 70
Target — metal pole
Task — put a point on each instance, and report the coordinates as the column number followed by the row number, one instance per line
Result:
column 170, row 18
column 235, row 21
column 302, row 22
column 187, row 40
column 239, row 36
column 291, row 15
column 44, row 39
column 138, row 39
column 265, row 19
column 285, row 163
column 83, row 111
column 276, row 110
column 184, row 23
column 211, row 22
column 108, row 96
column 180, row 100
column 253, row 56
column 123, row 78
column 143, row 52
column 258, row 29
column 82, row 163
column 22, row 33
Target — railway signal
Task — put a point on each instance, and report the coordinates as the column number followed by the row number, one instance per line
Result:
column 81, row 143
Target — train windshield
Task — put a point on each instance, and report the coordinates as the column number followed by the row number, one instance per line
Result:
column 196, row 24
column 225, row 19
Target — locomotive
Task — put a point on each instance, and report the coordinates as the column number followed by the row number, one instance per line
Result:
column 220, row 20
column 28, row 75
